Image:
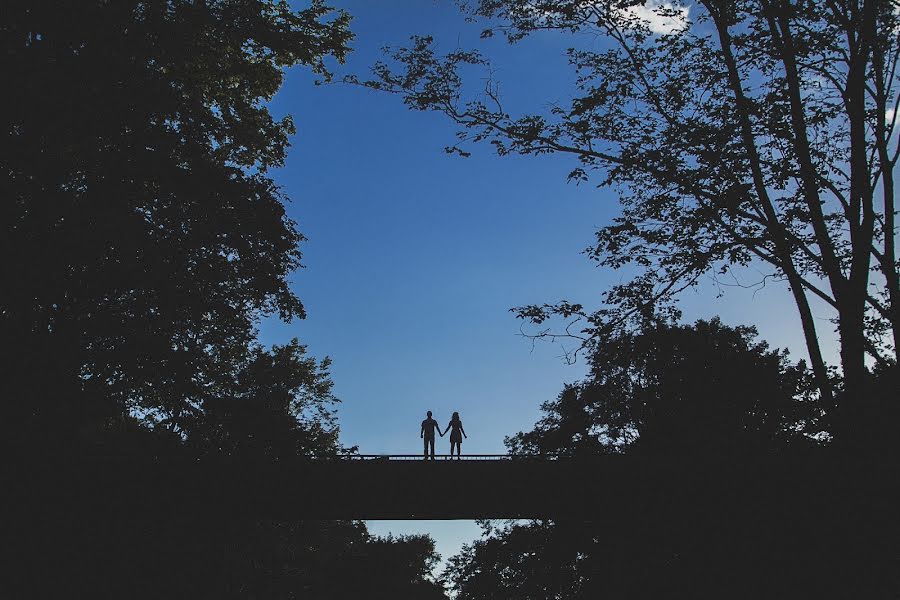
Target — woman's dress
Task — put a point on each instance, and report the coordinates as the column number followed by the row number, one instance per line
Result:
column 456, row 432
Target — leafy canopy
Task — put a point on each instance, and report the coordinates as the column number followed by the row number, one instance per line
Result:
column 143, row 237
column 665, row 389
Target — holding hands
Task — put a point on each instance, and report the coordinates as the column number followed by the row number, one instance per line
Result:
column 456, row 437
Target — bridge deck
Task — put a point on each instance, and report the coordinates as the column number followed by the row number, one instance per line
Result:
column 444, row 457
column 477, row 486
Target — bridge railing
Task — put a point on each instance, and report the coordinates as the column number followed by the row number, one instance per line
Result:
column 446, row 457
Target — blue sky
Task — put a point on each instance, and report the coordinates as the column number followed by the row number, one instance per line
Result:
column 414, row 256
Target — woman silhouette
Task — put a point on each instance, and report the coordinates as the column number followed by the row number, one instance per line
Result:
column 456, row 435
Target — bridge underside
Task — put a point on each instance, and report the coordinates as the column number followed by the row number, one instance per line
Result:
column 736, row 527
column 609, row 489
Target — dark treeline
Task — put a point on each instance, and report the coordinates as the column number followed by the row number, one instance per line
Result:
column 143, row 242
column 695, row 395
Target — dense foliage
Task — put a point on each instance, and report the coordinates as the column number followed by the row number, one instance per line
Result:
column 144, row 238
column 216, row 555
column 708, row 397
column 668, row 389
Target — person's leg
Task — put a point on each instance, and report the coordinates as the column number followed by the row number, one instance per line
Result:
column 425, row 448
column 432, row 447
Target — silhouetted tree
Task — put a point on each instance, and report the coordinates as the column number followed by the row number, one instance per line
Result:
column 217, row 556
column 682, row 396
column 143, row 242
column 669, row 388
column 144, row 237
column 279, row 405
column 755, row 131
column 517, row 562
column 670, row 552
column 388, row 567
column 328, row 560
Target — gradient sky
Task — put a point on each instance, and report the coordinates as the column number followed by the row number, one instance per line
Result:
column 414, row 256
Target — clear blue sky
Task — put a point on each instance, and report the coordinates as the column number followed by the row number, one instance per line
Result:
column 414, row 256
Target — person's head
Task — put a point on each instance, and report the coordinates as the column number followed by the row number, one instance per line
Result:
column 456, row 416
column 429, row 414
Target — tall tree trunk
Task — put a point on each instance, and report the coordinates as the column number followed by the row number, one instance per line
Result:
column 852, row 299
column 887, row 259
column 773, row 225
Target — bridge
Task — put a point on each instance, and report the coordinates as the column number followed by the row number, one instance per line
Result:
column 610, row 488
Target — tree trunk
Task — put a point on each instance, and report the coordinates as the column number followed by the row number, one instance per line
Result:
column 851, row 298
column 852, row 406
column 773, row 225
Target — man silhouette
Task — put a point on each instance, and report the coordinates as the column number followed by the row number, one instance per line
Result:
column 427, row 434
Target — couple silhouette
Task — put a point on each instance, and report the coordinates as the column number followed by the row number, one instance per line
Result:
column 456, row 436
